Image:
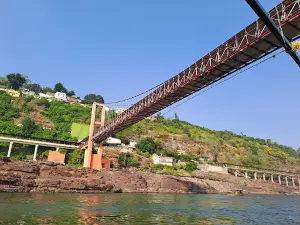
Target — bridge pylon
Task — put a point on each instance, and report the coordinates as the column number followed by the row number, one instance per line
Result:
column 94, row 160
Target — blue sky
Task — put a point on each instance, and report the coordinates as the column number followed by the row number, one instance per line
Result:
column 120, row 48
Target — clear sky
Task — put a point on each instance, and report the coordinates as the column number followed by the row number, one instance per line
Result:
column 119, row 48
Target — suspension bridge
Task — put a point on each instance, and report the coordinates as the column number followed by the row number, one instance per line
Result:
column 272, row 31
column 251, row 44
column 255, row 44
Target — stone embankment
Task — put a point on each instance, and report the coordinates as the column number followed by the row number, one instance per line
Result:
column 20, row 176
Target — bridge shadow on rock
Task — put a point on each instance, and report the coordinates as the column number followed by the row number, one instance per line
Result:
column 193, row 187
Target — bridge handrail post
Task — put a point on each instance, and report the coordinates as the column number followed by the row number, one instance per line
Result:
column 10, row 148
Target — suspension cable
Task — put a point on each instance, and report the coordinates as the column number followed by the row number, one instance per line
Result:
column 109, row 103
column 224, row 80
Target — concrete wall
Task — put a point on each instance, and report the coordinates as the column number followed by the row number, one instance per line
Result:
column 168, row 161
column 211, row 168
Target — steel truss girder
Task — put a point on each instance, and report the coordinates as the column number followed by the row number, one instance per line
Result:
column 282, row 14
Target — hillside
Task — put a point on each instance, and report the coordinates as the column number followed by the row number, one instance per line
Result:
column 221, row 146
column 53, row 120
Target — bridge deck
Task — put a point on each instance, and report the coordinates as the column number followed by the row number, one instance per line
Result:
column 36, row 142
column 249, row 45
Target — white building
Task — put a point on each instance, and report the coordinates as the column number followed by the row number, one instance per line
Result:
column 132, row 144
column 113, row 141
column 168, row 161
column 152, row 118
column 42, row 95
column 61, row 96
column 28, row 93
column 119, row 110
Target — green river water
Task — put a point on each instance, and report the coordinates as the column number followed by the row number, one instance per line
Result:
column 123, row 208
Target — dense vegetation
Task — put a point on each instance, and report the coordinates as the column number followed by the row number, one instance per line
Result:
column 10, row 111
column 26, row 116
column 17, row 81
column 63, row 115
column 196, row 141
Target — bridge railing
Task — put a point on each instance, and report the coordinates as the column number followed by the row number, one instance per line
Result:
column 241, row 167
column 39, row 139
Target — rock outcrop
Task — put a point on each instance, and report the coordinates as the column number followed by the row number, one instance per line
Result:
column 19, row 176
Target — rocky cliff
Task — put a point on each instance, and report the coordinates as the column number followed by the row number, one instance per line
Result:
column 19, row 176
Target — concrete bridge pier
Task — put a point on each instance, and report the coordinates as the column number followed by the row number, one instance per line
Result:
column 255, row 175
column 236, row 173
column 293, row 182
column 272, row 179
column 57, row 149
column 264, row 176
column 35, row 152
column 246, row 174
column 9, row 149
column 298, row 181
column 279, row 179
column 286, row 181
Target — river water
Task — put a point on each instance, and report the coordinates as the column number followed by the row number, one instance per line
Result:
column 48, row 208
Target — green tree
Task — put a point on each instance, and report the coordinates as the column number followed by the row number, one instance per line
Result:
column 33, row 87
column 28, row 126
column 127, row 159
column 47, row 89
column 76, row 157
column 3, row 81
column 59, row 87
column 63, row 115
column 176, row 117
column 20, row 156
column 71, row 93
column 43, row 101
column 190, row 166
column 93, row 98
column 16, row 80
column 123, row 139
column 110, row 115
column 7, row 111
column 159, row 117
column 148, row 145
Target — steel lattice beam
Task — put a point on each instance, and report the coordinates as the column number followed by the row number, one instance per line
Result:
column 263, row 15
column 257, row 34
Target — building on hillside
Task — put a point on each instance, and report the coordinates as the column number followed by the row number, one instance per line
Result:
column 113, row 141
column 47, row 128
column 73, row 99
column 28, row 93
column 61, row 96
column 132, row 145
column 42, row 95
column 13, row 93
column 119, row 110
column 168, row 161
column 50, row 94
column 152, row 118
column 86, row 105
column 181, row 152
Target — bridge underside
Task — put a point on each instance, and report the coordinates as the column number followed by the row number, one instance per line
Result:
column 249, row 45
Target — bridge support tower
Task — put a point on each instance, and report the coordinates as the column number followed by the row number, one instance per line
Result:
column 94, row 160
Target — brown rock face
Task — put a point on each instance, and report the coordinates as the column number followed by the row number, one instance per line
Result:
column 18, row 176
